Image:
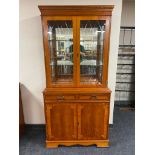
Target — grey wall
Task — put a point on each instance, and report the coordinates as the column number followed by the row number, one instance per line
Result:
column 128, row 13
column 127, row 19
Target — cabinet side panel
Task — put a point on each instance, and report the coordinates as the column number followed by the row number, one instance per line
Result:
column 46, row 52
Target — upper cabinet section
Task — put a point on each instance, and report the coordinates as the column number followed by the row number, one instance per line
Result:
column 76, row 45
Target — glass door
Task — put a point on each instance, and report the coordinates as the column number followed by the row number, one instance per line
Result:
column 76, row 50
column 60, row 50
column 92, row 41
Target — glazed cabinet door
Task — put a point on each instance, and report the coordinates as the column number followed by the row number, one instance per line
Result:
column 60, row 48
column 93, row 121
column 61, row 121
column 93, row 32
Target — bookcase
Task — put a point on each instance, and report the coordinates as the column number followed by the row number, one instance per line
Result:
column 76, row 51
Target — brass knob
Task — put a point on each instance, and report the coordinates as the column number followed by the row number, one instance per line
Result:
column 93, row 97
column 60, row 97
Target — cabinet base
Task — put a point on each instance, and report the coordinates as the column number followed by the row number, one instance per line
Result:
column 98, row 143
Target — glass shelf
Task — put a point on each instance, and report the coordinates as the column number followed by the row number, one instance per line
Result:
column 60, row 40
column 72, row 41
column 83, row 63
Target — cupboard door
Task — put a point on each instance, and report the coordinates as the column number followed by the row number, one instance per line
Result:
column 93, row 121
column 59, row 42
column 93, row 44
column 61, row 121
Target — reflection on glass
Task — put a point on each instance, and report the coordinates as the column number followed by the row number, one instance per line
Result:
column 60, row 39
column 91, row 51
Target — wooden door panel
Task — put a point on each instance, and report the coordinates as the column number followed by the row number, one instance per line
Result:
column 93, row 119
column 61, row 121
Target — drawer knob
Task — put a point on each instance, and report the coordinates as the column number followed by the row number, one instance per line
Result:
column 93, row 97
column 60, row 97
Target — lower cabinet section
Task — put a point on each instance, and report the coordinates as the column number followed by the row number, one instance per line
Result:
column 77, row 123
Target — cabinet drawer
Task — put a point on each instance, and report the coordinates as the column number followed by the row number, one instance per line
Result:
column 60, row 97
column 94, row 97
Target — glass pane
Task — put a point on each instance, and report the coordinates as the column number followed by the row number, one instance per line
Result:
column 60, row 39
column 91, row 51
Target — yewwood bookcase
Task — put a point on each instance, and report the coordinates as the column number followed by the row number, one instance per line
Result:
column 76, row 51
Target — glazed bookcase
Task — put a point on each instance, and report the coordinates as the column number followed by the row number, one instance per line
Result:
column 76, row 51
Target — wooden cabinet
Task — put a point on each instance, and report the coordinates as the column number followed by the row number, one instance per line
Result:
column 76, row 51
column 21, row 114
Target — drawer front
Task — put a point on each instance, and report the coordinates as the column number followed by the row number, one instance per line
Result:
column 95, row 97
column 59, row 97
